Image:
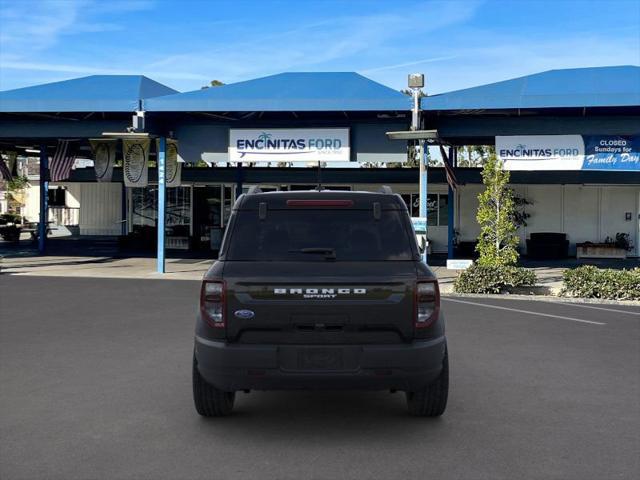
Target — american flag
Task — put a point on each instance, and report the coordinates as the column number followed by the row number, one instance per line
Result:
column 4, row 170
column 451, row 175
column 62, row 161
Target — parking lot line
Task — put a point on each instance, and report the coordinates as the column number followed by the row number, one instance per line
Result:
column 579, row 320
column 598, row 308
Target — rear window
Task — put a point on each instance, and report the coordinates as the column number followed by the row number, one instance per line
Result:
column 320, row 235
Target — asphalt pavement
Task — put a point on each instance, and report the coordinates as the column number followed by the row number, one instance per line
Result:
column 95, row 384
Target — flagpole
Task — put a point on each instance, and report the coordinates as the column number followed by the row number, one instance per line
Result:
column 44, row 199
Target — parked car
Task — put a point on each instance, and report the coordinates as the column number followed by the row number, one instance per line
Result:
column 320, row 290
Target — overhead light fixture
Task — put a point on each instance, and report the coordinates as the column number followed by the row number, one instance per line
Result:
column 415, row 135
column 31, row 150
column 415, row 80
column 126, row 134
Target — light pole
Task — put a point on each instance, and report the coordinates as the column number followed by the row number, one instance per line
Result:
column 416, row 83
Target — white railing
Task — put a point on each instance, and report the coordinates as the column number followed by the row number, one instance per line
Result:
column 64, row 215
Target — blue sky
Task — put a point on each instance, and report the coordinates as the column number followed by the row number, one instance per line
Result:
column 184, row 44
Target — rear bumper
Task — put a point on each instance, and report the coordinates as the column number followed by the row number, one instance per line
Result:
column 232, row 367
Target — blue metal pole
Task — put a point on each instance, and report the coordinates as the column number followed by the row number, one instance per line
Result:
column 44, row 199
column 162, row 190
column 450, row 207
column 423, row 189
column 123, row 210
column 239, row 179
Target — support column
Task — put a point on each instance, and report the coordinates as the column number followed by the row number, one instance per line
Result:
column 124, row 231
column 239, row 179
column 453, row 154
column 423, row 189
column 162, row 190
column 44, row 199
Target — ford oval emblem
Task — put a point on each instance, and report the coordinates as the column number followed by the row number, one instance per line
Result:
column 244, row 314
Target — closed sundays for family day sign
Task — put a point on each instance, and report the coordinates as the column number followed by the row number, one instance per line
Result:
column 289, row 145
column 569, row 152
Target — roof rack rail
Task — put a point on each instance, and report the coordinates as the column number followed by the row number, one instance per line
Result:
column 385, row 189
column 255, row 189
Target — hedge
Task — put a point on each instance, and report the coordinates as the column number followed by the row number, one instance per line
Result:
column 494, row 279
column 591, row 282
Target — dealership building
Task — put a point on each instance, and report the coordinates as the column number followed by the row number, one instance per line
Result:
column 571, row 139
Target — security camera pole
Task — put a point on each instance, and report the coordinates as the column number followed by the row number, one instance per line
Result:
column 416, row 83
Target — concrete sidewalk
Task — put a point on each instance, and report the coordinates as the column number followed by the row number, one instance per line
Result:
column 104, row 267
column 549, row 278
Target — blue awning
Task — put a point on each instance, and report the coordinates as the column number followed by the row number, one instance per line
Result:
column 570, row 88
column 288, row 92
column 96, row 93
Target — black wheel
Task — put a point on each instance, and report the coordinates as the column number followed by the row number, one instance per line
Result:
column 432, row 401
column 209, row 401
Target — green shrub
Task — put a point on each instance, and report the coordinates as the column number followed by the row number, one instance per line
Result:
column 592, row 282
column 493, row 279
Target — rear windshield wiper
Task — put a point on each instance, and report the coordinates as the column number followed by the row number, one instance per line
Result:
column 329, row 253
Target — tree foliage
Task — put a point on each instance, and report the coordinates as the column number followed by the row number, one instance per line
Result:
column 497, row 241
column 474, row 155
column 213, row 83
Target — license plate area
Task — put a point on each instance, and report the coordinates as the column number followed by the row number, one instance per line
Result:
column 319, row 358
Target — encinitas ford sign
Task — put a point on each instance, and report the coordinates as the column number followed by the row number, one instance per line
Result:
column 541, row 152
column 289, row 145
column 569, row 152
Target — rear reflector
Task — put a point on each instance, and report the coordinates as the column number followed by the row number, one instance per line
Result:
column 319, row 203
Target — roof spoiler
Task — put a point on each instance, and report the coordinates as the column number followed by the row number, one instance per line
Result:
column 386, row 189
column 255, row 189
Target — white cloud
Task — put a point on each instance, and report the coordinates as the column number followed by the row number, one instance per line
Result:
column 30, row 27
column 408, row 64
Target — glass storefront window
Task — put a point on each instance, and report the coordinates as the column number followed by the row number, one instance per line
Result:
column 443, row 211
column 144, row 213
column 432, row 210
column 178, row 206
column 144, row 207
column 437, row 213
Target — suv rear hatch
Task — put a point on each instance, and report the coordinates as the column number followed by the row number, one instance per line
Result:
column 328, row 303
column 320, row 271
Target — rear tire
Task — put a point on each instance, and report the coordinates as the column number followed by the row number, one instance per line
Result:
column 210, row 401
column 431, row 401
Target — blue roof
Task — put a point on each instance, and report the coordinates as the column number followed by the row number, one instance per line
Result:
column 577, row 87
column 96, row 93
column 307, row 91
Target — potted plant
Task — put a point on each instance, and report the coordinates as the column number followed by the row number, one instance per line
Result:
column 611, row 247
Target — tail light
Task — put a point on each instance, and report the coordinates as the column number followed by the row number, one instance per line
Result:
column 427, row 303
column 212, row 303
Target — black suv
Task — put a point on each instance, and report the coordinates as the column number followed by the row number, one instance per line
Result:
column 320, row 290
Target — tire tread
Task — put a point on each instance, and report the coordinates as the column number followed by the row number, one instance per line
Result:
column 431, row 401
column 210, row 401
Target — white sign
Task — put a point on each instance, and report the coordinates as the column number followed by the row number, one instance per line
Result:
column 104, row 157
column 289, row 145
column 541, row 152
column 459, row 264
column 136, row 162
